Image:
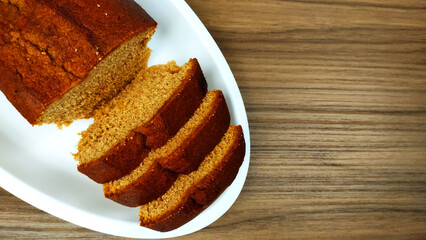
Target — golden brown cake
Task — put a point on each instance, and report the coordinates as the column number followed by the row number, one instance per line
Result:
column 192, row 193
column 60, row 59
column 184, row 152
column 143, row 116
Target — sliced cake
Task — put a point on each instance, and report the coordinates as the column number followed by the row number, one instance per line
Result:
column 59, row 59
column 190, row 194
column 141, row 117
column 182, row 153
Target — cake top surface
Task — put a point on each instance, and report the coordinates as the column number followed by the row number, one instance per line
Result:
column 51, row 45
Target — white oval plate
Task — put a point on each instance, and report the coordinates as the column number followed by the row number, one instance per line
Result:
column 36, row 163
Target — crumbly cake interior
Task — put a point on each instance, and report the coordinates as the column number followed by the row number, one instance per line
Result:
column 113, row 73
column 199, row 117
column 132, row 107
column 165, row 204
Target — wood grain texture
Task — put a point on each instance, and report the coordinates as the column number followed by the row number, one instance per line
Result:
column 335, row 92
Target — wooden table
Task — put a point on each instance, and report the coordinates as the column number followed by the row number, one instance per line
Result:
column 335, row 92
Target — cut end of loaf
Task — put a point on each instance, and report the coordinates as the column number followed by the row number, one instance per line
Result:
column 181, row 203
column 103, row 82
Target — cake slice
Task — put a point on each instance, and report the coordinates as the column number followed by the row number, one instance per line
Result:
column 182, row 153
column 60, row 59
column 143, row 116
column 190, row 194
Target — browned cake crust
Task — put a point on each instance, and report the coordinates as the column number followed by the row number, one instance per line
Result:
column 119, row 160
column 205, row 192
column 47, row 47
column 178, row 109
column 188, row 156
column 193, row 150
column 127, row 155
column 146, row 188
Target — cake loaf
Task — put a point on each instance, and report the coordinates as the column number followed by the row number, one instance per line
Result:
column 192, row 193
column 60, row 59
column 182, row 153
column 143, row 116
